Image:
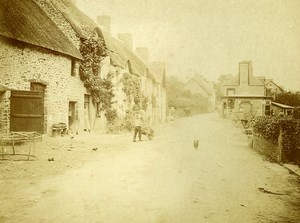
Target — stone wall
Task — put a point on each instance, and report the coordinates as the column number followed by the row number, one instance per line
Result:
column 268, row 149
column 4, row 111
column 22, row 64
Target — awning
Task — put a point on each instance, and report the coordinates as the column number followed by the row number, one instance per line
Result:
column 282, row 105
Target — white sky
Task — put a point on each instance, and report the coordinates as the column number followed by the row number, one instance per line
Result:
column 211, row 37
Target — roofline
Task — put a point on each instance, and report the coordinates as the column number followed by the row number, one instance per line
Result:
column 275, row 84
column 44, row 47
column 282, row 105
column 199, row 86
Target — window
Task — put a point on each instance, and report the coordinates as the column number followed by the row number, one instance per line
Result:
column 73, row 67
column 230, row 91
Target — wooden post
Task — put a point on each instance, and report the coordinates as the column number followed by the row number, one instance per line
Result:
column 280, row 146
column 13, row 146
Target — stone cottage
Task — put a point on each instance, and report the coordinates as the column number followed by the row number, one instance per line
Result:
column 122, row 59
column 39, row 70
column 40, row 61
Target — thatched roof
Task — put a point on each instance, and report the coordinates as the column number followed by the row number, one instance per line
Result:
column 120, row 55
column 26, row 21
column 80, row 22
column 84, row 26
column 157, row 68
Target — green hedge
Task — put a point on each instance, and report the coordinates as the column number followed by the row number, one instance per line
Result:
column 269, row 128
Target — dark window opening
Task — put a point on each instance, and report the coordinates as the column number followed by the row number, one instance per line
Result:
column 73, row 67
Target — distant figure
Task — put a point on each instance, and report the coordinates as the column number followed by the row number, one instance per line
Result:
column 196, row 143
column 138, row 126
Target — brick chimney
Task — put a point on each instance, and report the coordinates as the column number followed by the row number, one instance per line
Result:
column 142, row 53
column 104, row 21
column 127, row 39
column 245, row 72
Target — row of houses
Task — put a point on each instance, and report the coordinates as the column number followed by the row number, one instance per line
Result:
column 40, row 58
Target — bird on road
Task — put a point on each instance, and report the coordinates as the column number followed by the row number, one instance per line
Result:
column 196, row 143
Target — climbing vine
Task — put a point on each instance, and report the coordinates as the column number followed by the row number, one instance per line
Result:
column 132, row 89
column 93, row 50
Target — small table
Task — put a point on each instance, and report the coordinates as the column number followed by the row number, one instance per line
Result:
column 12, row 138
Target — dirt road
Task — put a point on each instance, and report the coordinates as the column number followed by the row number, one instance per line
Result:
column 164, row 180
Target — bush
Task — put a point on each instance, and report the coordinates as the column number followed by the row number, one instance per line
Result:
column 110, row 114
column 118, row 125
column 269, row 128
column 296, row 113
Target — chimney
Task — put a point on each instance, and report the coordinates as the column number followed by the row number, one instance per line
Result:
column 142, row 53
column 245, row 71
column 127, row 39
column 104, row 21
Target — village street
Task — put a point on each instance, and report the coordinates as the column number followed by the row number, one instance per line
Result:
column 164, row 180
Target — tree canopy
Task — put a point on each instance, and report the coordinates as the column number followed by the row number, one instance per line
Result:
column 183, row 100
column 291, row 98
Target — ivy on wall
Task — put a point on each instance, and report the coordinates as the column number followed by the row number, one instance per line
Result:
column 93, row 51
column 132, row 89
column 131, row 86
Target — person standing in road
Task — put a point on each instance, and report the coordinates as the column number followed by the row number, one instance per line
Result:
column 137, row 126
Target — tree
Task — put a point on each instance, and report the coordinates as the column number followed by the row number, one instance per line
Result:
column 183, row 100
column 291, row 98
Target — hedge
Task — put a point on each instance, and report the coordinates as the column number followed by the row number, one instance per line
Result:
column 269, row 128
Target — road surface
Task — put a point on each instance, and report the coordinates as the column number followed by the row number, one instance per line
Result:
column 165, row 180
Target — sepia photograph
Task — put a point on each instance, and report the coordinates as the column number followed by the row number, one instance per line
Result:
column 149, row 111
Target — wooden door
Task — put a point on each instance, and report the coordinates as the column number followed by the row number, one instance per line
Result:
column 27, row 111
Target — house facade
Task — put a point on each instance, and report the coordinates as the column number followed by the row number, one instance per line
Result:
column 159, row 95
column 199, row 85
column 271, row 87
column 244, row 93
column 39, row 71
column 40, row 60
column 151, row 76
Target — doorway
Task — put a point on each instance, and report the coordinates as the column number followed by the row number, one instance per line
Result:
column 73, row 116
column 27, row 111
